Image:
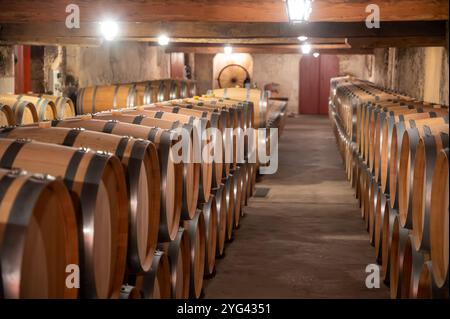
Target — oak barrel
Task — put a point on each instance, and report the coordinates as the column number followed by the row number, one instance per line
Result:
column 98, row 188
column 38, row 236
column 196, row 230
column 140, row 161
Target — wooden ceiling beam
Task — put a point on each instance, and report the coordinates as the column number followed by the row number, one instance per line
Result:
column 24, row 32
column 219, row 10
column 237, row 41
column 265, row 50
column 399, row 42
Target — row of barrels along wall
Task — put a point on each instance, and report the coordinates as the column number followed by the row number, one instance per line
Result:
column 163, row 240
column 100, row 98
column 396, row 156
column 26, row 109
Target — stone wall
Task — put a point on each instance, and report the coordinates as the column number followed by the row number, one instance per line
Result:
column 6, row 69
column 418, row 72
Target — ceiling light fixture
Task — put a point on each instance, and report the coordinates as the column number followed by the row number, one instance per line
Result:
column 163, row 40
column 302, row 38
column 299, row 10
column 109, row 29
column 306, row 48
column 228, row 50
column 316, row 54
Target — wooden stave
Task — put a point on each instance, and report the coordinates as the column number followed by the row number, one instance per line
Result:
column 172, row 249
column 428, row 147
column 201, row 176
column 412, row 267
column 229, row 191
column 386, row 141
column 237, row 194
column 198, row 126
column 405, row 175
column 209, row 211
column 392, row 115
column 98, row 162
column 381, row 210
column 155, row 283
column 218, row 120
column 439, row 218
column 20, row 212
column 63, row 105
column 390, row 216
column 45, row 108
column 163, row 142
column 220, row 201
column 8, row 114
column 92, row 93
column 375, row 196
column 133, row 153
column 196, row 227
column 259, row 103
column 427, row 288
column 399, row 239
column 24, row 112
column 396, row 145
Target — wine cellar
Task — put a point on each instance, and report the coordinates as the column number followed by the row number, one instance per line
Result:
column 293, row 149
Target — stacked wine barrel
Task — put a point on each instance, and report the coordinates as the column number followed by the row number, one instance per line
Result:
column 101, row 98
column 28, row 109
column 103, row 193
column 396, row 155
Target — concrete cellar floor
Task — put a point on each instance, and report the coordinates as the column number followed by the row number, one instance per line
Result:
column 306, row 238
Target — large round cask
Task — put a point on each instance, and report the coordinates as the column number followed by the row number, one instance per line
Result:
column 140, row 161
column 45, row 108
column 190, row 130
column 192, row 88
column 257, row 97
column 196, row 230
column 155, row 283
column 102, row 98
column 439, row 219
column 200, row 141
column 171, row 173
column 98, row 188
column 178, row 252
column 209, row 210
column 220, row 201
column 382, row 159
column 420, row 194
column 406, row 161
column 64, row 106
column 396, row 147
column 38, row 236
column 229, row 186
column 24, row 111
column 399, row 240
column 219, row 120
column 6, row 115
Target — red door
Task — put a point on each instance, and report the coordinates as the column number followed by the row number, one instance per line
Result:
column 22, row 81
column 315, row 75
column 176, row 65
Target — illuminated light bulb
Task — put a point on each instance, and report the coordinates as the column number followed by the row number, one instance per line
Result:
column 109, row 29
column 306, row 48
column 299, row 10
column 228, row 50
column 163, row 40
column 302, row 38
column 316, row 54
